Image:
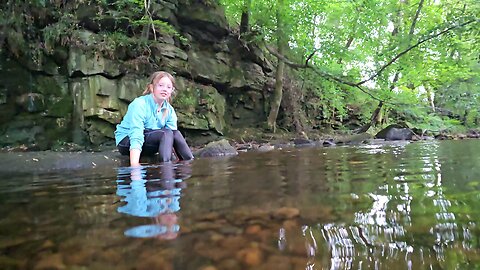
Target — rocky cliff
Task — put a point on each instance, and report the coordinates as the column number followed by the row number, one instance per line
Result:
column 69, row 70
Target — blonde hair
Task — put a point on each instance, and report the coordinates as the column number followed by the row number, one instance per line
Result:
column 157, row 76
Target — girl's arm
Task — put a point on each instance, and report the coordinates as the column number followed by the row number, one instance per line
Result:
column 135, row 118
column 171, row 122
column 135, row 157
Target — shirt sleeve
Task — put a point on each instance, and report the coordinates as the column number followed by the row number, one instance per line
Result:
column 171, row 120
column 136, row 118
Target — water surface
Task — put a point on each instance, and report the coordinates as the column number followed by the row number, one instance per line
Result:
column 399, row 206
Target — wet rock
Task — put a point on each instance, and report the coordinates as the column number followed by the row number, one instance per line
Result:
column 214, row 253
column 216, row 149
column 290, row 224
column 154, row 262
column 216, row 237
column 242, row 215
column 400, row 132
column 443, row 136
column 253, row 229
column 397, row 134
column 204, row 226
column 51, row 261
column 300, row 262
column 233, row 242
column 316, row 213
column 229, row 229
column 11, row 263
column 286, row 213
column 244, row 147
column 6, row 243
column 355, row 139
column 297, row 245
column 277, row 262
column 208, row 267
column 229, row 264
column 48, row 244
column 473, row 134
column 111, row 255
column 266, row 148
column 328, row 143
column 302, row 142
column 251, row 256
column 51, row 161
column 210, row 217
column 79, row 257
column 266, row 236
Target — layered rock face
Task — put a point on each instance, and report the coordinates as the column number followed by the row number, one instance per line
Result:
column 73, row 77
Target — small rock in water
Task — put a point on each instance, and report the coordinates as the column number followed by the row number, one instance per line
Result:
column 250, row 256
column 286, row 213
column 52, row 261
column 265, row 148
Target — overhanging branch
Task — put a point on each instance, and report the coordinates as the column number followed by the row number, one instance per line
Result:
column 420, row 42
column 375, row 74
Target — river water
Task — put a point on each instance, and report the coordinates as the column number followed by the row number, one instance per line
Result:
column 387, row 206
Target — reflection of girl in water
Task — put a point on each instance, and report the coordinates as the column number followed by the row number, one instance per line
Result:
column 141, row 201
column 147, row 193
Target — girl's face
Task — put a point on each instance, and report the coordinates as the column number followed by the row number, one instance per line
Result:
column 162, row 89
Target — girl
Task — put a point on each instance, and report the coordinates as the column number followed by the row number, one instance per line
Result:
column 150, row 124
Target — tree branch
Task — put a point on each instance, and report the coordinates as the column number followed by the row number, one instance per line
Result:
column 377, row 73
column 374, row 75
column 311, row 55
column 306, row 65
column 420, row 42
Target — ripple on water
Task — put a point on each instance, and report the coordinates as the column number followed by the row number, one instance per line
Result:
column 405, row 206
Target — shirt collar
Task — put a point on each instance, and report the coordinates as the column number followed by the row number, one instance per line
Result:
column 153, row 104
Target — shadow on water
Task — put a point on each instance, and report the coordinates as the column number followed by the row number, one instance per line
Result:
column 389, row 206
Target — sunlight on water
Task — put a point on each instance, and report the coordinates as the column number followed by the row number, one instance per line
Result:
column 381, row 206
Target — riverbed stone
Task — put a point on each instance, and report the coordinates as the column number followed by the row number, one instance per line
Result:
column 382, row 134
column 286, row 213
column 216, row 149
column 50, row 261
column 214, row 253
column 253, row 229
column 251, row 256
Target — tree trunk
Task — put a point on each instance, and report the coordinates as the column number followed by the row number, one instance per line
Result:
column 373, row 118
column 397, row 23
column 244, row 21
column 147, row 15
column 276, row 97
column 278, row 91
column 430, row 97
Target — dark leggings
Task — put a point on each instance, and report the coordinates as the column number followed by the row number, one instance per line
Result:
column 161, row 141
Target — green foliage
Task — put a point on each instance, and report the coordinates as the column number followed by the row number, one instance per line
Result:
column 185, row 100
column 136, row 6
column 471, row 118
column 161, row 26
column 354, row 39
column 461, row 98
column 34, row 28
column 351, row 40
column 60, row 32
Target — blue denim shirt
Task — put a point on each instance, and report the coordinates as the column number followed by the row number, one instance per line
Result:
column 142, row 114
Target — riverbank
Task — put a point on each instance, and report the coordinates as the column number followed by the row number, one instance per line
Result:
column 71, row 158
column 49, row 161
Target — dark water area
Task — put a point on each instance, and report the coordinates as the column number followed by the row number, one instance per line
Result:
column 398, row 206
